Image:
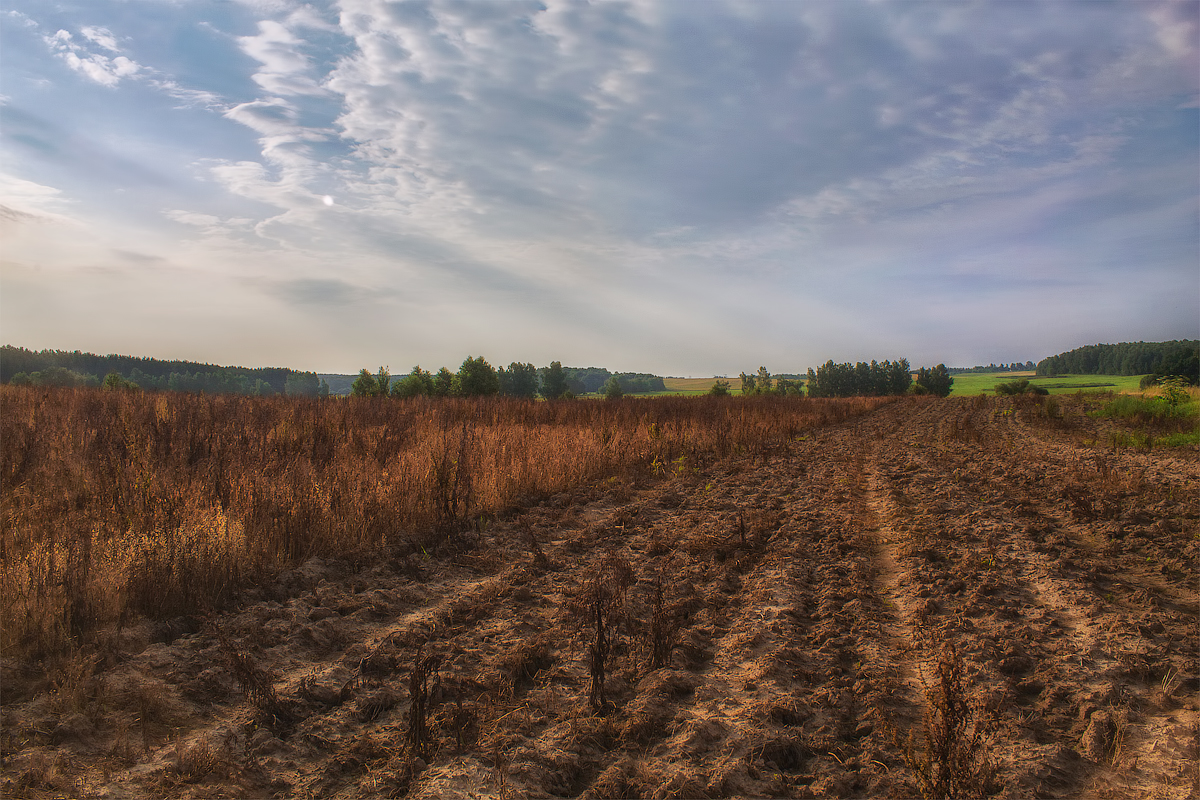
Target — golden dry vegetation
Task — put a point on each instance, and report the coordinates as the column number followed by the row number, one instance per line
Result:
column 671, row 597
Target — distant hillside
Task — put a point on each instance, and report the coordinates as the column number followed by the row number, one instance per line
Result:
column 1178, row 357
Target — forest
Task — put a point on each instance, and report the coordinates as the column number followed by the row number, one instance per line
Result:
column 1157, row 359
column 74, row 368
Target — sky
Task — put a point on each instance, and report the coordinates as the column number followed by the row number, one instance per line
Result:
column 683, row 188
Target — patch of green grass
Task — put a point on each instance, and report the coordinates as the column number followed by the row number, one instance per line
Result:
column 1179, row 439
column 1135, row 407
column 974, row 383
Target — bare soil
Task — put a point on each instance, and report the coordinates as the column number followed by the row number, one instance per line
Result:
column 807, row 597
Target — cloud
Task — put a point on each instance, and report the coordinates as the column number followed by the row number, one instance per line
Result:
column 27, row 201
column 634, row 174
column 101, row 36
column 191, row 98
column 99, row 68
column 284, row 64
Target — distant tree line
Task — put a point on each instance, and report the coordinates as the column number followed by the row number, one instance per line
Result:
column 75, row 368
column 1179, row 357
column 874, row 379
column 1016, row 366
column 477, row 378
column 591, row 380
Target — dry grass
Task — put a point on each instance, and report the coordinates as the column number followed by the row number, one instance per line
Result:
column 114, row 505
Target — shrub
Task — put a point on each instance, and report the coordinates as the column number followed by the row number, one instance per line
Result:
column 951, row 760
column 600, row 607
column 719, row 389
column 1020, row 386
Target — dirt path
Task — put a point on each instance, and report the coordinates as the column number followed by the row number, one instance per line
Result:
column 806, row 595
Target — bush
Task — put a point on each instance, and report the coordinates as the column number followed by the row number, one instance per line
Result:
column 719, row 389
column 612, row 389
column 1020, row 386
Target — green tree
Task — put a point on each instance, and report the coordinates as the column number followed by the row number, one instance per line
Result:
column 519, row 380
column 443, row 383
column 554, row 382
column 749, row 384
column 365, row 385
column 612, row 389
column 415, row 383
column 935, row 381
column 789, row 388
column 763, row 382
column 114, row 381
column 477, row 378
column 719, row 388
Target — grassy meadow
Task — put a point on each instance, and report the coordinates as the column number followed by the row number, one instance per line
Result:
column 985, row 383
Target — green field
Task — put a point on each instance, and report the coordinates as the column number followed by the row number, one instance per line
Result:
column 985, row 382
column 694, row 385
column 967, row 384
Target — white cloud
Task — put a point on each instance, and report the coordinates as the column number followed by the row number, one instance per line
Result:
column 32, row 198
column 101, row 36
column 191, row 98
column 642, row 169
column 99, row 68
column 284, row 65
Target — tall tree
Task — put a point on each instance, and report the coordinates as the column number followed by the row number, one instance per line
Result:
column 477, row 378
column 935, row 381
column 749, row 384
column 519, row 380
column 554, row 382
column 365, row 385
column 443, row 383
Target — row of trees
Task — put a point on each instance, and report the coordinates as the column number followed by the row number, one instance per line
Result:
column 475, row 378
column 874, row 379
column 877, row 379
column 1016, row 366
column 1179, row 357
column 588, row 380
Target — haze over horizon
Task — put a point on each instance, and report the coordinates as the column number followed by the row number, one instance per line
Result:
column 676, row 188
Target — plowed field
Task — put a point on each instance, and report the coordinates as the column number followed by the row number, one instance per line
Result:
column 806, row 605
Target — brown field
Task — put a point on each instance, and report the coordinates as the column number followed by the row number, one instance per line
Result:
column 674, row 597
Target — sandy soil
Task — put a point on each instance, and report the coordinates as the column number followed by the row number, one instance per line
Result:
column 807, row 599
